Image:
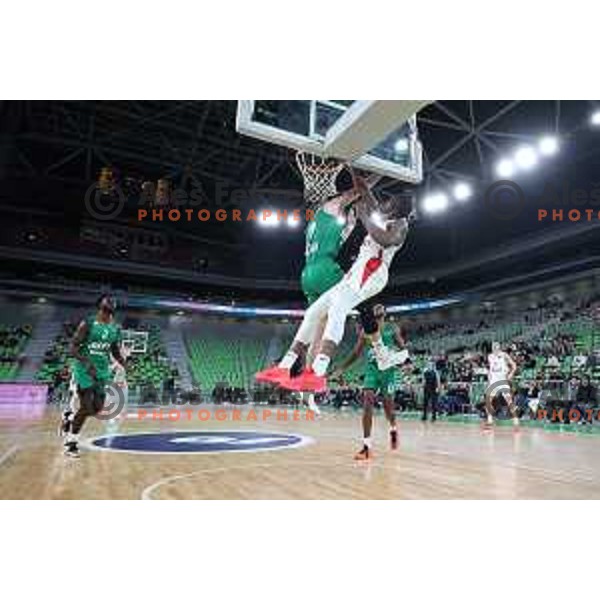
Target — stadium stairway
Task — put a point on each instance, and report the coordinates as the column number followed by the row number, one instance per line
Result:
column 277, row 345
column 177, row 352
column 44, row 332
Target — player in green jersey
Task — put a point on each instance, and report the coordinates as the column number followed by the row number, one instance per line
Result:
column 96, row 339
column 384, row 382
column 325, row 235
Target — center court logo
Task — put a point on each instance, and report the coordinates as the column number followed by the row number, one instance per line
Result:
column 199, row 442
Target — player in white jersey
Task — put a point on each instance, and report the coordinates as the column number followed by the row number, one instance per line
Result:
column 387, row 227
column 119, row 390
column 501, row 370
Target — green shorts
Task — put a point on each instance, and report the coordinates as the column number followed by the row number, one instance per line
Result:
column 83, row 379
column 385, row 382
column 319, row 277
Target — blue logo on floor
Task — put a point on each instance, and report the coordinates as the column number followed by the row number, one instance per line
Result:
column 186, row 442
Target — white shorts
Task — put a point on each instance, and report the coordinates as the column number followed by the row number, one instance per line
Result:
column 367, row 277
column 355, row 288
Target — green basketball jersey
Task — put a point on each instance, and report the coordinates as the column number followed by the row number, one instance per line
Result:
column 388, row 381
column 321, row 270
column 323, row 238
column 96, row 346
column 388, row 337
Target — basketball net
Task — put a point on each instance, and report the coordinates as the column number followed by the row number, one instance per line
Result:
column 319, row 175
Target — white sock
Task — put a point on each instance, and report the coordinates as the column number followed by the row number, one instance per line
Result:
column 72, row 437
column 392, row 428
column 312, row 405
column 288, row 360
column 367, row 442
column 320, row 364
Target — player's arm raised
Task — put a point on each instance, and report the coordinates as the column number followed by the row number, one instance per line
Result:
column 367, row 203
column 79, row 338
column 393, row 234
column 345, row 199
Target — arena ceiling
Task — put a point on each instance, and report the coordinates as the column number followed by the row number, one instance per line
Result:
column 52, row 151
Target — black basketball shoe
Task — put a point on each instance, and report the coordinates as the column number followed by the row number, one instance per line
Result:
column 72, row 449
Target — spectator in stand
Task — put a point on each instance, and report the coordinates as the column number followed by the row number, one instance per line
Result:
column 586, row 399
column 568, row 403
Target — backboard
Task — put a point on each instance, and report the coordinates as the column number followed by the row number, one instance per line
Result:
column 136, row 342
column 379, row 136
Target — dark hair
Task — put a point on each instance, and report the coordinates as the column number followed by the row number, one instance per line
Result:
column 103, row 297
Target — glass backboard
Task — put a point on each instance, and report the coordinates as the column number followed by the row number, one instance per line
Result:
column 341, row 128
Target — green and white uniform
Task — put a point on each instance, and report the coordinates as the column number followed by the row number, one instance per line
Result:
column 323, row 241
column 388, row 381
column 96, row 346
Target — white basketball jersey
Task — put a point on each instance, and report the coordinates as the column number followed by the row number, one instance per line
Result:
column 372, row 249
column 498, row 366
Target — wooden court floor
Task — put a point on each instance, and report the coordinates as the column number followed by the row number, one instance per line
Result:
column 434, row 461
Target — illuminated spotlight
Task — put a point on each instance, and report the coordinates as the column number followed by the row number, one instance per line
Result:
column 526, row 157
column 401, row 145
column 436, row 203
column 595, row 118
column 292, row 222
column 462, row 191
column 270, row 221
column 548, row 145
column 378, row 219
column 505, row 168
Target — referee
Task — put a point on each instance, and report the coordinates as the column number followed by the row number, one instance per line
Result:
column 431, row 388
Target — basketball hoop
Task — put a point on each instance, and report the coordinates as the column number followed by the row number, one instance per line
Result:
column 320, row 175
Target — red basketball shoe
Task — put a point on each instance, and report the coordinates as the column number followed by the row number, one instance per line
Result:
column 307, row 381
column 273, row 374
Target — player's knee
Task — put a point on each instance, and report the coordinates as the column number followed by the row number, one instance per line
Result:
column 97, row 403
column 336, row 319
column 368, row 400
